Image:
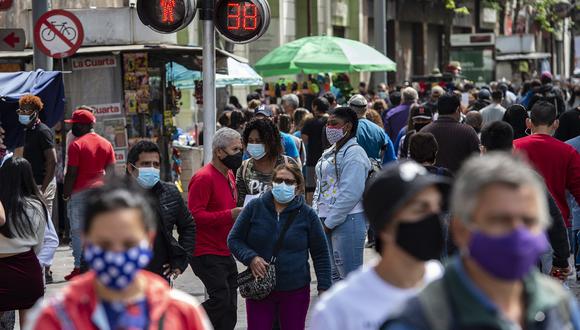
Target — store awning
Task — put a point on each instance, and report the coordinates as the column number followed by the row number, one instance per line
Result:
column 172, row 52
column 528, row 56
column 47, row 85
column 239, row 74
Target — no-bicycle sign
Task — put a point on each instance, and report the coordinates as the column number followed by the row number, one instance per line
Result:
column 58, row 33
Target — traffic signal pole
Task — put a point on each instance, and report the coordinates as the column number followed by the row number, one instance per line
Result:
column 41, row 61
column 208, row 74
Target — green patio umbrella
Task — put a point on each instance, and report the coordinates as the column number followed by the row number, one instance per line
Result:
column 323, row 54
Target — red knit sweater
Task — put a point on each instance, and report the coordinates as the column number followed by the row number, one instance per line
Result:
column 211, row 199
column 558, row 163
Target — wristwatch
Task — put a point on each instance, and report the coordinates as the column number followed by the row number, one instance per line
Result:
column 66, row 199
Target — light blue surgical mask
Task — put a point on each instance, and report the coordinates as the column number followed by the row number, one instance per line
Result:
column 148, row 177
column 257, row 150
column 25, row 119
column 283, row 193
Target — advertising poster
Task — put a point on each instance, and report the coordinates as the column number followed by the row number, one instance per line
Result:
column 111, row 124
column 136, row 82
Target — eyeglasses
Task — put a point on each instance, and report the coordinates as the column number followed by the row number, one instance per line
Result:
column 24, row 111
column 289, row 182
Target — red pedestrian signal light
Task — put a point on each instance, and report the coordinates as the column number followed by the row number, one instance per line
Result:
column 168, row 11
column 242, row 21
column 166, row 16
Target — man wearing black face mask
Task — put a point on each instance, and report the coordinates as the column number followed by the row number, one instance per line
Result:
column 499, row 220
column 90, row 157
column 402, row 204
column 212, row 201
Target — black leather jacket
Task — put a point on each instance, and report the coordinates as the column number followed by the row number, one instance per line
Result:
column 172, row 211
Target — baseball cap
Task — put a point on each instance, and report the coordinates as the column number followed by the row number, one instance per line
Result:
column 264, row 111
column 81, row 117
column 546, row 77
column 484, row 94
column 394, row 186
column 421, row 112
column 358, row 101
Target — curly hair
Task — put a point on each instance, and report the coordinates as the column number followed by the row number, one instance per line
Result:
column 269, row 135
column 32, row 101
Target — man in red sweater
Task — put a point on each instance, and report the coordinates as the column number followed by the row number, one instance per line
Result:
column 556, row 161
column 212, row 201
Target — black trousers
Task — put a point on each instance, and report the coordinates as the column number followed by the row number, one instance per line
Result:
column 219, row 276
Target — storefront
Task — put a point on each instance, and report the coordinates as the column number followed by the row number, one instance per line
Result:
column 128, row 87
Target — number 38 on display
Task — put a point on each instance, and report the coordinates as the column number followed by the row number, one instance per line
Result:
column 238, row 21
column 242, row 21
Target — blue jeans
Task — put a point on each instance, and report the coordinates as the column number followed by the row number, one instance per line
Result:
column 76, row 213
column 346, row 244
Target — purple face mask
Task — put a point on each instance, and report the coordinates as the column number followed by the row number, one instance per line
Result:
column 509, row 257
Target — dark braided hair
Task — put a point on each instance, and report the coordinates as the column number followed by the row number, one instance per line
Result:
column 269, row 135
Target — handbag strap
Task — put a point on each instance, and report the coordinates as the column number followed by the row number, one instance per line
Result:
column 280, row 240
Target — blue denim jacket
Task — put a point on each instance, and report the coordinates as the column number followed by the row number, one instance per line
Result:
column 335, row 198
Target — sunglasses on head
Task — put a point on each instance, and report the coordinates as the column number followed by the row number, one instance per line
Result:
column 289, row 182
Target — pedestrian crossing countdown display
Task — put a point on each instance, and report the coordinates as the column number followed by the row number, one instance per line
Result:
column 242, row 21
column 238, row 21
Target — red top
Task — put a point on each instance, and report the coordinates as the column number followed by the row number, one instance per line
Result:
column 558, row 163
column 211, row 199
column 76, row 306
column 91, row 154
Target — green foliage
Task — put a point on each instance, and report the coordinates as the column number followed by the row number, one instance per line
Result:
column 543, row 10
column 460, row 10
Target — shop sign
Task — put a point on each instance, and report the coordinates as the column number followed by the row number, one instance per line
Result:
column 85, row 63
column 112, row 109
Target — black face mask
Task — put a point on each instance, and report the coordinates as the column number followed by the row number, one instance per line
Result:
column 77, row 131
column 418, row 126
column 422, row 239
column 233, row 162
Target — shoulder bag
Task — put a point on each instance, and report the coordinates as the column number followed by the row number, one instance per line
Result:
column 259, row 288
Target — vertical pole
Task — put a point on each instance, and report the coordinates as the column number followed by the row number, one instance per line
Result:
column 209, row 98
column 380, row 11
column 309, row 18
column 41, row 61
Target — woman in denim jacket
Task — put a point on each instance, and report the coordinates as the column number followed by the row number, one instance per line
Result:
column 341, row 174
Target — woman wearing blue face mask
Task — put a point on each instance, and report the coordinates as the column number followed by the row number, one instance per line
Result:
column 341, row 174
column 254, row 235
column 263, row 144
column 119, row 226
